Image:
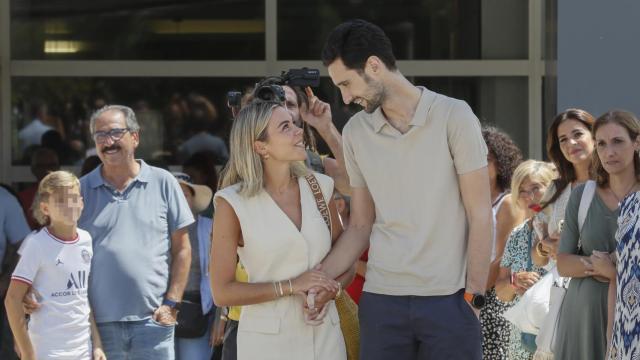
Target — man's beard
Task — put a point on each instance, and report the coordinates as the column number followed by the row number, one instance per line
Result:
column 377, row 96
column 374, row 104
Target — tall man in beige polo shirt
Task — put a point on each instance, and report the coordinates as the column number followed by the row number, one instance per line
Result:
column 417, row 164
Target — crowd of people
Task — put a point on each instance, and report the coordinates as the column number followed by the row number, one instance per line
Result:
column 452, row 245
column 186, row 124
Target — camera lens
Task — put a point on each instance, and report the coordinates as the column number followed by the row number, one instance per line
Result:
column 270, row 93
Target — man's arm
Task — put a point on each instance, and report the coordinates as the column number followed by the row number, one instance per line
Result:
column 355, row 239
column 180, row 264
column 474, row 187
column 336, row 170
column 318, row 115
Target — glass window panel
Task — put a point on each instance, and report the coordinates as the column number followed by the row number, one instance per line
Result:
column 498, row 101
column 138, row 30
column 169, row 110
column 164, row 105
column 418, row 29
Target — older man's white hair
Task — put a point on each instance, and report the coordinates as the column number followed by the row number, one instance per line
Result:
column 129, row 115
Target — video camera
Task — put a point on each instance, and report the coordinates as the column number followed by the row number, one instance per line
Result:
column 271, row 90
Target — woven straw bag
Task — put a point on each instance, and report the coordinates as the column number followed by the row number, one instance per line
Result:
column 349, row 324
column 347, row 308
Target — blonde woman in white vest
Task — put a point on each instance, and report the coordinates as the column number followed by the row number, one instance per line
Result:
column 267, row 214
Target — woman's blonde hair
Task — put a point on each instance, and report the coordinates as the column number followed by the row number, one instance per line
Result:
column 245, row 165
column 538, row 171
column 49, row 185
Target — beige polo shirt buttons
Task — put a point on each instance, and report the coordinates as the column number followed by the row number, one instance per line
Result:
column 419, row 237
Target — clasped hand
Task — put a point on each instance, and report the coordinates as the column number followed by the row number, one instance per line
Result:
column 600, row 265
column 525, row 280
column 317, row 289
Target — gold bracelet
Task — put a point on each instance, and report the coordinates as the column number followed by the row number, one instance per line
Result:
column 539, row 250
column 290, row 288
column 339, row 290
column 275, row 288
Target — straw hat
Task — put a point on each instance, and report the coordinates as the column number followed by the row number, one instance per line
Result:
column 202, row 195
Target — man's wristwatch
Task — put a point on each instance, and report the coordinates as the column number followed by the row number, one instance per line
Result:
column 478, row 301
column 175, row 305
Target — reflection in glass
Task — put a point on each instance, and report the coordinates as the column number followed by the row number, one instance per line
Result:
column 138, row 30
column 499, row 101
column 178, row 116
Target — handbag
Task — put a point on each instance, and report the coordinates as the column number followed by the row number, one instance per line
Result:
column 546, row 340
column 191, row 322
column 347, row 308
column 529, row 313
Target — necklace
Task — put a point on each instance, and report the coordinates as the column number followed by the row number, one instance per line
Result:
column 625, row 193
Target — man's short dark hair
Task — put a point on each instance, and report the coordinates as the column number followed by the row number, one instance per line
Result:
column 354, row 42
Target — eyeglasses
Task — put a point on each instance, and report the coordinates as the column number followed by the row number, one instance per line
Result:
column 533, row 192
column 113, row 134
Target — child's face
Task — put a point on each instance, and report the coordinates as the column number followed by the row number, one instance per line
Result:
column 531, row 192
column 64, row 206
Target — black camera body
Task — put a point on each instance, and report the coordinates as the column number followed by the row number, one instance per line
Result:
column 271, row 90
column 301, row 77
column 234, row 98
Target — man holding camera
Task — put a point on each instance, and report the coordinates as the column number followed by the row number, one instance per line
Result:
column 417, row 164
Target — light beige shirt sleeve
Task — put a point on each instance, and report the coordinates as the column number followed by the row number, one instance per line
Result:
column 467, row 146
column 356, row 179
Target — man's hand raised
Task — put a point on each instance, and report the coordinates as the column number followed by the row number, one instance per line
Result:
column 317, row 114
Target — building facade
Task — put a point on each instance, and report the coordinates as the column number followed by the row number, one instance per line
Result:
column 173, row 62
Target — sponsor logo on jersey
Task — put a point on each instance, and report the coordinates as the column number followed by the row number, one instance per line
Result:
column 76, row 285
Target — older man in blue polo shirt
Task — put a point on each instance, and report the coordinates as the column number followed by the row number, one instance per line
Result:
column 138, row 218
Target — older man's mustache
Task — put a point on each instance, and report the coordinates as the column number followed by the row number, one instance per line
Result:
column 112, row 147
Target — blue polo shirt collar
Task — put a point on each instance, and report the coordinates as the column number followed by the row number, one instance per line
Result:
column 96, row 180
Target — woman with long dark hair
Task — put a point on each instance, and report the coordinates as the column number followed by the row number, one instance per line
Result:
column 570, row 146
